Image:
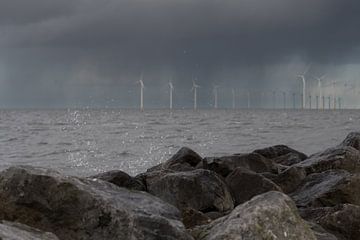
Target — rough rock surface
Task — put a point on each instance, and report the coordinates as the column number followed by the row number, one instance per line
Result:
column 184, row 160
column 199, row 189
column 271, row 215
column 347, row 158
column 282, row 154
column 74, row 208
column 328, row 188
column 192, row 218
column 342, row 220
column 352, row 140
column 320, row 233
column 289, row 179
column 252, row 161
column 121, row 179
column 17, row 231
column 245, row 184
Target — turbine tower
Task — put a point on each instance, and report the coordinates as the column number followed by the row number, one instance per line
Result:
column 194, row 89
column 215, row 89
column 171, row 89
column 233, row 98
column 302, row 77
column 141, row 92
column 320, row 87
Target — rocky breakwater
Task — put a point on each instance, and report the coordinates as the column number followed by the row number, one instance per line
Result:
column 271, row 193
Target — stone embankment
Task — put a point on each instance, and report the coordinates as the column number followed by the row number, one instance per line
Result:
column 271, row 193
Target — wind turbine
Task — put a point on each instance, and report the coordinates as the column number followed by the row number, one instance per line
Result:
column 215, row 89
column 141, row 92
column 302, row 76
column 320, row 86
column 171, row 89
column 233, row 98
column 194, row 89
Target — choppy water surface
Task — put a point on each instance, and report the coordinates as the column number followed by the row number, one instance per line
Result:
column 84, row 142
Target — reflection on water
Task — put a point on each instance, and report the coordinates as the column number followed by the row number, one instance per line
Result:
column 84, row 142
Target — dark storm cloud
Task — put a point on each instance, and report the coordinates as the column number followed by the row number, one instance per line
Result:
column 83, row 48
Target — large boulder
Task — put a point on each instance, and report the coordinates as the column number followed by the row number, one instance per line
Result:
column 121, row 179
column 271, row 215
column 282, row 154
column 289, row 179
column 199, row 189
column 320, row 233
column 352, row 140
column 75, row 208
column 17, row 231
column 245, row 184
column 347, row 158
column 252, row 161
column 328, row 189
column 342, row 220
column 184, row 160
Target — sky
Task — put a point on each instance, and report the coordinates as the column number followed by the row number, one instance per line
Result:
column 88, row 53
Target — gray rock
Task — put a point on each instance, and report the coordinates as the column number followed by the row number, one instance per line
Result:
column 352, row 140
column 79, row 209
column 271, row 215
column 347, row 158
column 290, row 179
column 245, row 184
column 320, row 233
column 282, row 154
column 200, row 189
column 328, row 189
column 184, row 160
column 192, row 218
column 121, row 179
column 342, row 220
column 252, row 161
column 17, row 231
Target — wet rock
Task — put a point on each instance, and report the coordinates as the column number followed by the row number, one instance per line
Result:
column 282, row 154
column 320, row 233
column 121, row 179
column 328, row 189
column 17, row 231
column 74, row 208
column 184, row 160
column 342, row 220
column 347, row 158
column 200, row 189
column 252, row 161
column 245, row 184
column 290, row 179
column 352, row 140
column 192, row 218
column 271, row 215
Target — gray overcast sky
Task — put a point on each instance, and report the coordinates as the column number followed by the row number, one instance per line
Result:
column 91, row 53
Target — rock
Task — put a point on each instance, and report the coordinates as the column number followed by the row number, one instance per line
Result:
column 347, row 158
column 320, row 233
column 184, row 160
column 192, row 218
column 271, row 215
column 328, row 189
column 75, row 208
column 352, row 140
column 282, row 154
column 289, row 179
column 199, row 189
column 17, row 231
column 342, row 220
column 121, row 179
column 245, row 184
column 225, row 165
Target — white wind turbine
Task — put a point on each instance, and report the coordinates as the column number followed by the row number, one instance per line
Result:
column 194, row 89
column 233, row 98
column 320, row 87
column 302, row 76
column 171, row 89
column 141, row 92
column 215, row 89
